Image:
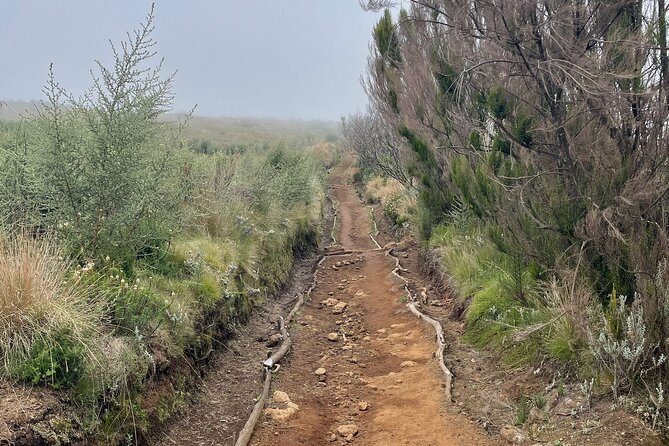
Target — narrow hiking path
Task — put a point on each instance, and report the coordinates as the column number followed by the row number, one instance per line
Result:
column 361, row 368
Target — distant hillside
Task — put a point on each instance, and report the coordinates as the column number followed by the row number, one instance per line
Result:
column 230, row 132
column 14, row 110
column 223, row 132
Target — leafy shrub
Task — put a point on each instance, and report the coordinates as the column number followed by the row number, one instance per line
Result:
column 105, row 174
column 57, row 361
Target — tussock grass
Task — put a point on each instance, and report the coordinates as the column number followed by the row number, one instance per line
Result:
column 381, row 190
column 38, row 300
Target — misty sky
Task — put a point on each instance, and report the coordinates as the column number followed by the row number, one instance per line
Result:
column 264, row 58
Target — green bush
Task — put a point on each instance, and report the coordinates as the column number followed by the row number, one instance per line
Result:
column 101, row 171
column 56, row 361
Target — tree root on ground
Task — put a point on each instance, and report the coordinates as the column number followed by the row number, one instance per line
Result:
column 440, row 339
column 271, row 364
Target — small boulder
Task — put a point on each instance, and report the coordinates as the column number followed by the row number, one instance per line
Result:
column 514, row 435
column 406, row 364
column 347, row 429
column 319, row 371
column 334, row 337
column 274, row 340
column 339, row 308
column 363, row 406
column 280, row 397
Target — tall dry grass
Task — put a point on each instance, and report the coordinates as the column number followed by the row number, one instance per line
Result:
column 38, row 300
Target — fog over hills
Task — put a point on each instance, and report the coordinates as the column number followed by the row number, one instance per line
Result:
column 288, row 60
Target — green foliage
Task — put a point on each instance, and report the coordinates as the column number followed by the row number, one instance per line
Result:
column 387, row 40
column 522, row 411
column 56, row 361
column 475, row 140
column 104, row 172
column 131, row 306
column 446, row 76
column 522, row 129
column 500, row 144
column 435, row 199
column 498, row 103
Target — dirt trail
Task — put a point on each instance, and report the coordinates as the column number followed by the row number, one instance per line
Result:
column 379, row 372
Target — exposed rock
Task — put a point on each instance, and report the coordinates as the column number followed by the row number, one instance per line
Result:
column 319, row 371
column 274, row 340
column 406, row 364
column 280, row 397
column 536, row 415
column 347, row 429
column 514, row 435
column 339, row 308
column 570, row 405
column 363, row 406
column 330, row 302
column 334, row 337
column 552, row 399
column 286, row 410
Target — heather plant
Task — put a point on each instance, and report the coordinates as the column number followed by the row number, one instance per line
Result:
column 104, row 171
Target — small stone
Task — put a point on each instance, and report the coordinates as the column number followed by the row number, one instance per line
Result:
column 333, row 337
column 319, row 371
column 333, row 437
column 359, row 293
column 330, row 302
column 536, row 415
column 274, row 340
column 331, row 293
column 514, row 435
column 280, row 397
column 347, row 429
column 339, row 308
column 406, row 364
column 349, row 438
column 363, row 406
column 353, row 360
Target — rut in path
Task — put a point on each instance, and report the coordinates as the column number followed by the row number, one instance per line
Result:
column 381, row 360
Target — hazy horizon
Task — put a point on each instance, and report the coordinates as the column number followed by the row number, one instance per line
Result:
column 297, row 60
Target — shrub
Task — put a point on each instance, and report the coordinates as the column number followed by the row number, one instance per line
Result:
column 106, row 177
column 57, row 361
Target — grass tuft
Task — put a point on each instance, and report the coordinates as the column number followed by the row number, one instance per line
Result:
column 41, row 308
